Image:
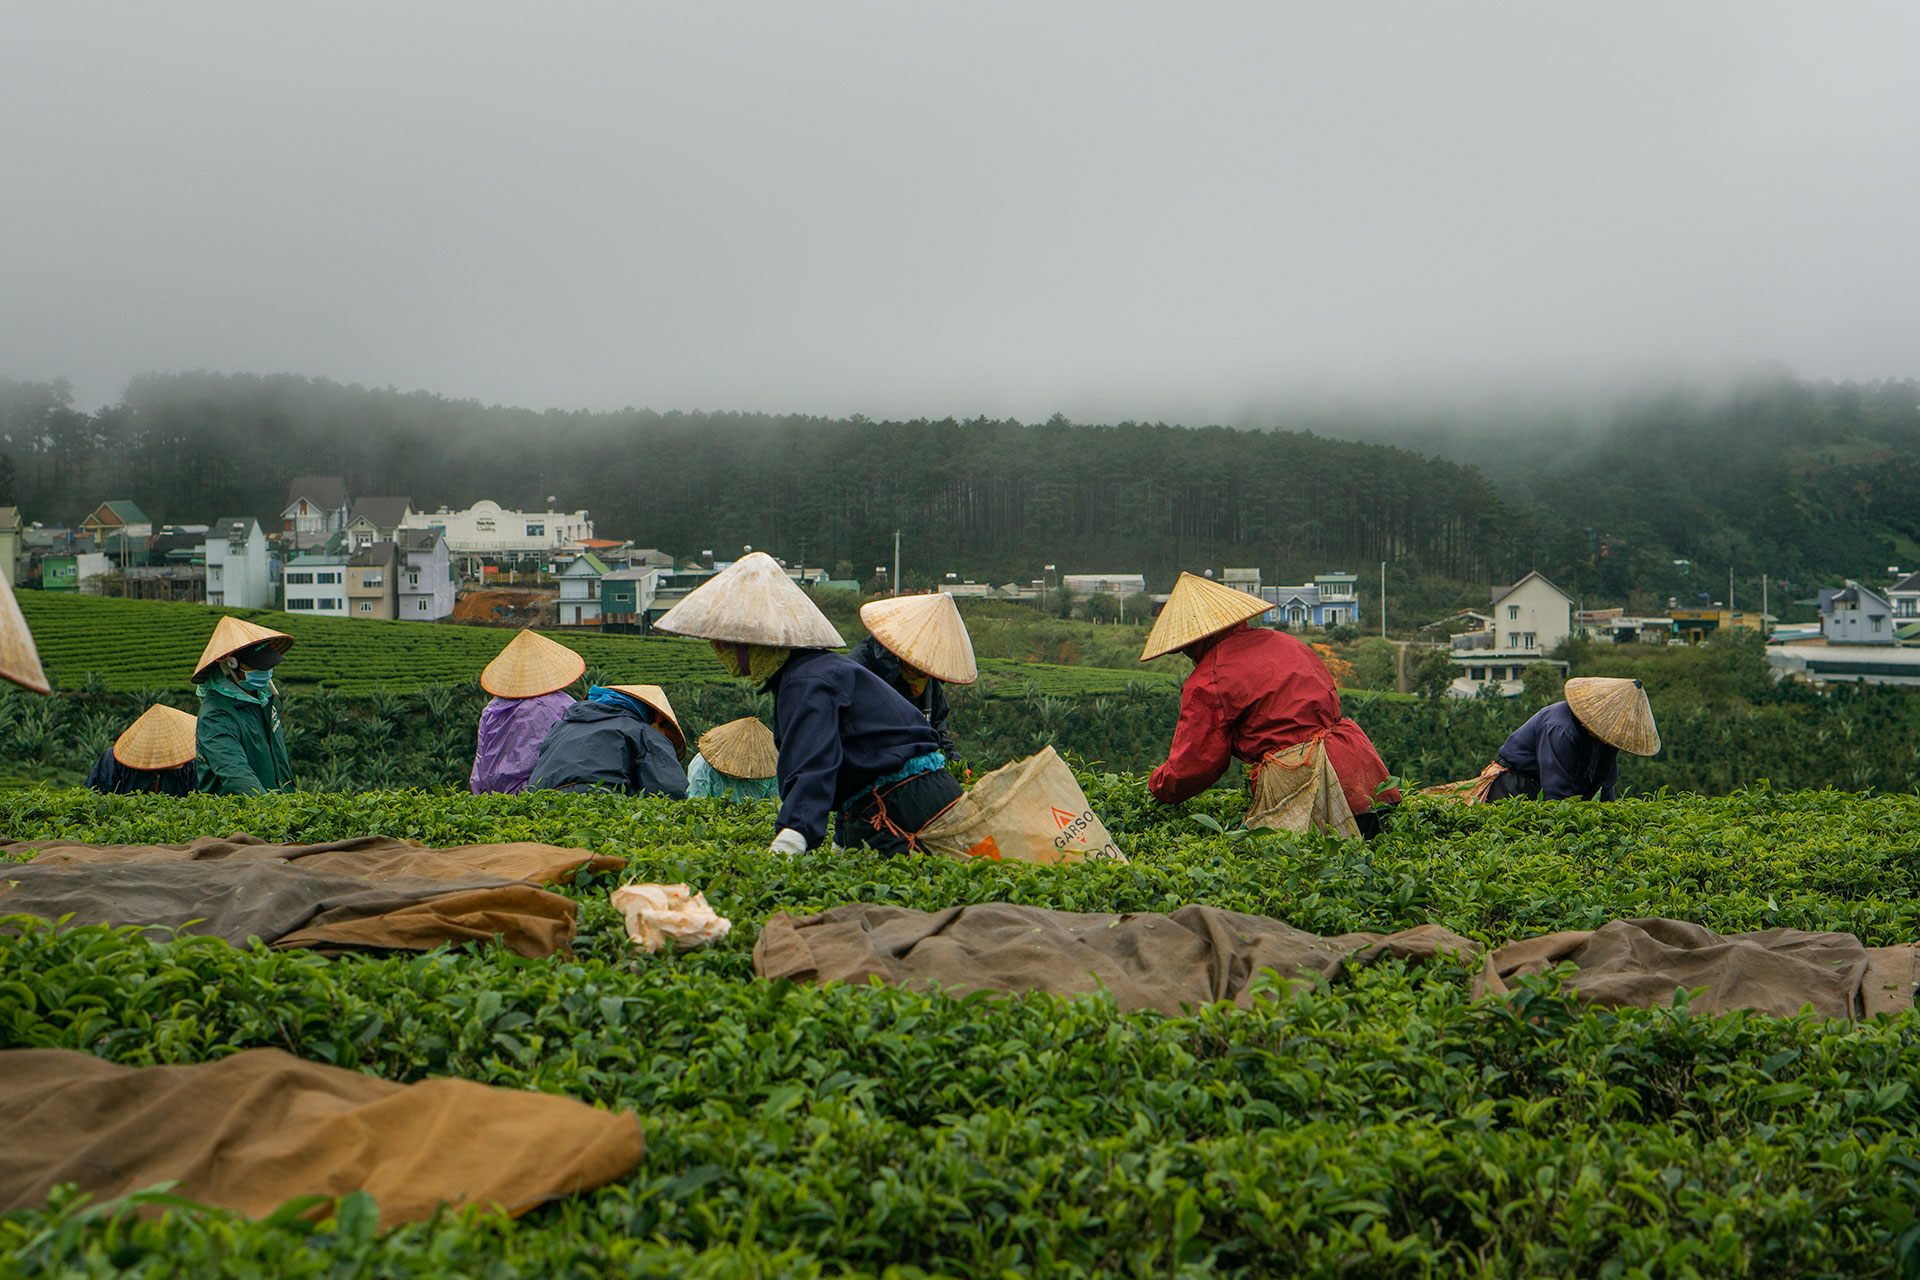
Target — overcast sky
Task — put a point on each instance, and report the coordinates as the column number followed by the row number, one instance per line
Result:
column 1111, row 210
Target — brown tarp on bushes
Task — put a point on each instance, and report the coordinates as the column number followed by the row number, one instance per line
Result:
column 372, row 857
column 254, row 1130
column 373, row 892
column 1199, row 954
column 1642, row 963
column 1196, row 955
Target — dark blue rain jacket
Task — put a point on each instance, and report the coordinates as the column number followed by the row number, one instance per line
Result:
column 1557, row 749
column 598, row 745
column 839, row 729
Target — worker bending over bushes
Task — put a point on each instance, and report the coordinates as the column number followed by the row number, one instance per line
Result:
column 528, row 681
column 918, row 645
column 1571, row 750
column 156, row 755
column 1265, row 698
column 623, row 738
column 848, row 744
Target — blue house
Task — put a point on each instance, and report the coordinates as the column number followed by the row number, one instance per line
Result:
column 1330, row 600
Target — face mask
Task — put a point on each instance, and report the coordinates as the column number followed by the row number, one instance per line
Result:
column 259, row 679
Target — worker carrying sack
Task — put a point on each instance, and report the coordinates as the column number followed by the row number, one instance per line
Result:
column 1029, row 811
column 1298, row 789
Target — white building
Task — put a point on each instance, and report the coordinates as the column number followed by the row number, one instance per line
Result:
column 1904, row 596
column 1085, row 585
column 487, row 530
column 1531, row 618
column 239, row 575
column 317, row 584
column 426, row 576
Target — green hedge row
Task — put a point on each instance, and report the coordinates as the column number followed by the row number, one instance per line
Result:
column 1383, row 1125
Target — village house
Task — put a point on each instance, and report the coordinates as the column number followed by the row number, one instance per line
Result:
column 373, row 582
column 1330, row 600
column 1854, row 614
column 1617, row 626
column 316, row 510
column 239, row 571
column 426, row 576
column 626, row 598
column 315, row 583
column 1904, row 596
column 580, row 591
column 377, row 520
column 120, row 529
column 1530, row 619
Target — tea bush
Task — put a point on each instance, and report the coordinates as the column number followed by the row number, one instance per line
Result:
column 1383, row 1124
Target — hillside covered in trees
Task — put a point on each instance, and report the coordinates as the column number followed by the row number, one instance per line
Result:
column 1779, row 476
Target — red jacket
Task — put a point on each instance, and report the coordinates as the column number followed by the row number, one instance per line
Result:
column 1257, row 691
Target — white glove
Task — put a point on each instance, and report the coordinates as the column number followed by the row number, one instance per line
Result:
column 789, row 842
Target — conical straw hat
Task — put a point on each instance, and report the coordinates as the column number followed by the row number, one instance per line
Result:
column 752, row 601
column 926, row 633
column 230, row 636
column 162, row 738
column 741, row 748
column 19, row 660
column 1616, row 711
column 1198, row 608
column 656, row 697
column 531, row 665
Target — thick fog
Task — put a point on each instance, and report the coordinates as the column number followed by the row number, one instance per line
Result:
column 1111, row 210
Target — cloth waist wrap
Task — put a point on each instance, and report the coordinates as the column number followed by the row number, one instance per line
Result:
column 1297, row 789
column 911, row 769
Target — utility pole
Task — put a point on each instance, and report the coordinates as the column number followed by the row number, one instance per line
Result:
column 1729, row 588
column 1763, row 604
column 1383, row 599
column 896, row 562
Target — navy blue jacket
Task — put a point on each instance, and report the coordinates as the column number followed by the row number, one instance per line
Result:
column 931, row 703
column 597, row 745
column 839, row 729
column 114, row 778
column 1557, row 749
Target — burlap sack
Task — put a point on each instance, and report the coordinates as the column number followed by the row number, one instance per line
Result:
column 1029, row 811
column 1299, row 790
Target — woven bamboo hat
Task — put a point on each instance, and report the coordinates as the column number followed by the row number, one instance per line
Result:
column 531, row 665
column 1196, row 609
column 656, row 697
column 752, row 601
column 926, row 633
column 741, row 748
column 232, row 635
column 162, row 738
column 1615, row 711
column 19, row 660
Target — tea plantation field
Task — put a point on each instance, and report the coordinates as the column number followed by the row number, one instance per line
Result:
column 137, row 644
column 1382, row 1125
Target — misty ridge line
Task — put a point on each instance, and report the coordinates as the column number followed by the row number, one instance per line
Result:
column 1614, row 499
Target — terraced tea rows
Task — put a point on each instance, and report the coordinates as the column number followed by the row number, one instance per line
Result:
column 133, row 644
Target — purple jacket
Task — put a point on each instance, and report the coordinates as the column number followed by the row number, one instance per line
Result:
column 511, row 731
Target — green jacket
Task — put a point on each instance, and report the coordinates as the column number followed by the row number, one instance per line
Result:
column 241, row 750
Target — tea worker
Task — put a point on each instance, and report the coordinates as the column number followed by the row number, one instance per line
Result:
column 918, row 644
column 623, row 738
column 848, row 744
column 528, row 680
column 242, row 751
column 1266, row 699
column 1571, row 750
column 736, row 761
column 155, row 754
column 19, row 659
